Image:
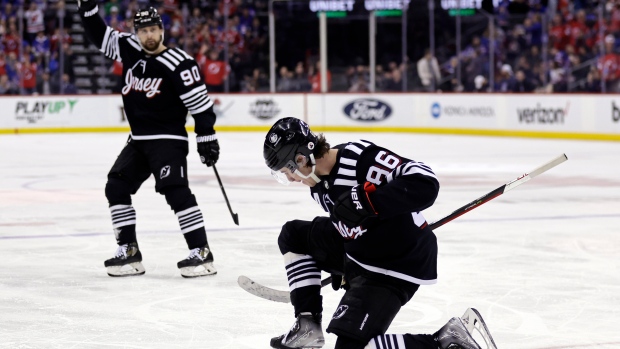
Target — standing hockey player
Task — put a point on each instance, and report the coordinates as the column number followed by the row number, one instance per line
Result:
column 375, row 243
column 160, row 86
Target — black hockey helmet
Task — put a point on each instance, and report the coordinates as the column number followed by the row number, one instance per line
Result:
column 146, row 18
column 287, row 138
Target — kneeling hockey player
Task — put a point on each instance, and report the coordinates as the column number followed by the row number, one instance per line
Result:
column 375, row 242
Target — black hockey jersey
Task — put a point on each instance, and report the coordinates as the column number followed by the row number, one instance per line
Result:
column 398, row 242
column 158, row 90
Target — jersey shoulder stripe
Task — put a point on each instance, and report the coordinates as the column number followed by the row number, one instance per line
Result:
column 173, row 57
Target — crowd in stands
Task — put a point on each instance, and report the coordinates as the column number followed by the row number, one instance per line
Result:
column 582, row 52
column 229, row 39
column 31, row 63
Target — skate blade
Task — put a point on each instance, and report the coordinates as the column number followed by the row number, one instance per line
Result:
column 201, row 270
column 130, row 269
column 473, row 321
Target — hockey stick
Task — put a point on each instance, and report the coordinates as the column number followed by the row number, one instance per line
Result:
column 284, row 296
column 235, row 217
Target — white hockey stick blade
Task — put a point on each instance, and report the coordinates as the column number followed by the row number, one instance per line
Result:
column 544, row 168
column 473, row 321
column 263, row 291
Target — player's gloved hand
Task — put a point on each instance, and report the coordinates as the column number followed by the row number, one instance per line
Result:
column 338, row 282
column 354, row 207
column 87, row 5
column 208, row 148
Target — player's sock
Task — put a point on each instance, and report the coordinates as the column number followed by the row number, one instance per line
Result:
column 124, row 223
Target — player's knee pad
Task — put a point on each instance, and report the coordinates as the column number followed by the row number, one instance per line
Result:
column 364, row 312
column 118, row 192
column 293, row 235
column 179, row 198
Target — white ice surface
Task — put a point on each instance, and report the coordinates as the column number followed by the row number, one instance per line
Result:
column 541, row 263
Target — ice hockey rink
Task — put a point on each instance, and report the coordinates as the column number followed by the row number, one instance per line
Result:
column 541, row 262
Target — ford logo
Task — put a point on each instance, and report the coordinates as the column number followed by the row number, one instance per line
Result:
column 367, row 109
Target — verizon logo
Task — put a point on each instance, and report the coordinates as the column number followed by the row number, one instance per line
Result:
column 542, row 115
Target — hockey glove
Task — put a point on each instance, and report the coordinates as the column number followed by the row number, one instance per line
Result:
column 354, row 207
column 338, row 282
column 208, row 148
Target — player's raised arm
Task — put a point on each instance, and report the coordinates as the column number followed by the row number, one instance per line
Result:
column 189, row 83
column 109, row 41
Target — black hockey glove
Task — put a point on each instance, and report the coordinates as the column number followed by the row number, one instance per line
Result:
column 86, row 5
column 208, row 148
column 338, row 282
column 354, row 207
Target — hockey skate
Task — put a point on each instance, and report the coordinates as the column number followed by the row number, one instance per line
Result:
column 305, row 333
column 126, row 262
column 457, row 333
column 473, row 320
column 198, row 263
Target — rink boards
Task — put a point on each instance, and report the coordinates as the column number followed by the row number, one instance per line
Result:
column 577, row 116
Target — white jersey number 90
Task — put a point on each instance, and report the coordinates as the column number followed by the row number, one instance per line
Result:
column 189, row 77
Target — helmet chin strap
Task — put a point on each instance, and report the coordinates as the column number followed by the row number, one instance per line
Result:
column 312, row 174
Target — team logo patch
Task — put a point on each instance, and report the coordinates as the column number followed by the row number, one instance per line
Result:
column 273, row 138
column 165, row 172
column 311, row 145
column 340, row 312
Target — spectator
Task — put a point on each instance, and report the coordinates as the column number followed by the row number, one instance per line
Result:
column 360, row 84
column 115, row 15
column 41, row 44
column 395, row 82
column 507, row 80
column 58, row 37
column 593, row 81
column 34, row 21
column 315, row 78
column 2, row 63
column 215, row 72
column 6, row 87
column 285, row 83
column 428, row 71
column 66, row 86
column 28, row 77
column 522, row 84
column 45, row 86
column 608, row 65
column 11, row 41
column 481, row 84
column 558, row 78
column 300, row 82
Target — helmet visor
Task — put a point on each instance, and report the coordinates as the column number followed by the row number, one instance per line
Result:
column 283, row 175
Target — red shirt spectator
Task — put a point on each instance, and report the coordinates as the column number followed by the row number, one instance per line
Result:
column 2, row 64
column 29, row 75
column 559, row 33
column 608, row 65
column 315, row 80
column 215, row 71
column 11, row 43
column 55, row 39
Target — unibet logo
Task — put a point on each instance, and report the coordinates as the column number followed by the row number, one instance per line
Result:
column 34, row 111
